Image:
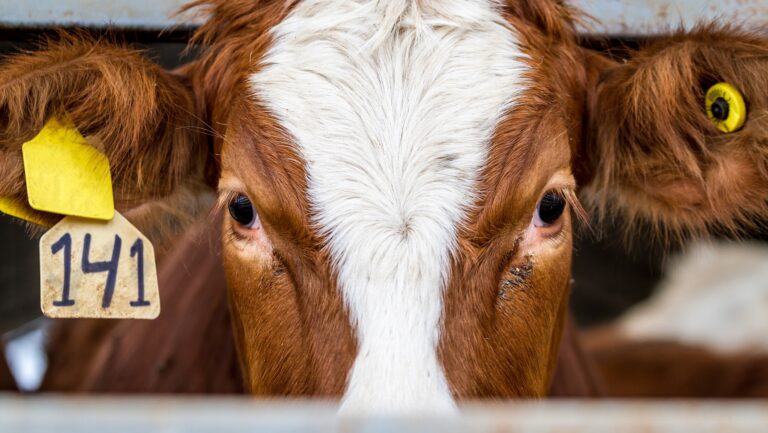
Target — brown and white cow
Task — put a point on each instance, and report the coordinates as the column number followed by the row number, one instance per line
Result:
column 400, row 176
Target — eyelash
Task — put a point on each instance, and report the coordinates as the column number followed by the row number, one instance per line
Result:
column 225, row 197
column 572, row 202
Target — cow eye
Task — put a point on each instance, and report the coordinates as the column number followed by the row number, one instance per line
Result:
column 241, row 209
column 725, row 107
column 551, row 208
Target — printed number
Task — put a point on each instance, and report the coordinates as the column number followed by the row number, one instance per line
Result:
column 138, row 250
column 66, row 243
column 110, row 267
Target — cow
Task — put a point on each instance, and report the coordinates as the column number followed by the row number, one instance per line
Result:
column 398, row 182
column 707, row 319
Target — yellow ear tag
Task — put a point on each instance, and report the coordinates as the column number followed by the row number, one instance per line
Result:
column 65, row 175
column 100, row 269
column 725, row 107
column 18, row 209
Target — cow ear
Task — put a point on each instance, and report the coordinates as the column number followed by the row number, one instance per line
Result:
column 654, row 150
column 141, row 116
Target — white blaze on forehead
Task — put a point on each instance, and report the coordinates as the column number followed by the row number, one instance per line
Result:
column 392, row 105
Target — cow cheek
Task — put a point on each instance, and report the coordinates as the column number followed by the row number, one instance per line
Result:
column 530, row 318
column 504, row 343
column 266, row 322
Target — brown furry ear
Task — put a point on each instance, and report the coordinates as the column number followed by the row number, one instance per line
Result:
column 651, row 154
column 141, row 116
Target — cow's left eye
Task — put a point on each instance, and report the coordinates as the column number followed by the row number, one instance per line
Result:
column 551, row 208
column 241, row 209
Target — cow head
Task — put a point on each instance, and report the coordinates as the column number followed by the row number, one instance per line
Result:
column 400, row 179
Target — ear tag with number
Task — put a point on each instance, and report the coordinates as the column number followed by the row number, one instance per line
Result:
column 100, row 269
column 65, row 175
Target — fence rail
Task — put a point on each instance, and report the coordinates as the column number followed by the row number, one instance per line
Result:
column 118, row 415
column 613, row 17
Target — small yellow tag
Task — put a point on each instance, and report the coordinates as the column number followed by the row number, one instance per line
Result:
column 65, row 175
column 98, row 269
column 18, row 209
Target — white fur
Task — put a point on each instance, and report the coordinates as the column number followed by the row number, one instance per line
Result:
column 716, row 296
column 393, row 104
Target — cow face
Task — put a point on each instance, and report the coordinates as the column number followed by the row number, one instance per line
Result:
column 398, row 182
column 399, row 179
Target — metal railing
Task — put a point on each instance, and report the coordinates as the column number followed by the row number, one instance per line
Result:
column 613, row 17
column 189, row 415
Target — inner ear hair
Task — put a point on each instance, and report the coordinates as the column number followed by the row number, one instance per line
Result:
column 652, row 158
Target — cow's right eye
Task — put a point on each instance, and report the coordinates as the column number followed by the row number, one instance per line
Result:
column 241, row 209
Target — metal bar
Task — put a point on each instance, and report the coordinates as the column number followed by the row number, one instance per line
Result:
column 613, row 17
column 118, row 415
column 649, row 17
column 129, row 14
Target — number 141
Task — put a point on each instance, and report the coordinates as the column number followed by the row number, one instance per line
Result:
column 110, row 267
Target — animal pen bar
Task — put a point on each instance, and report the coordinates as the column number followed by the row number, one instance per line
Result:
column 118, row 415
column 611, row 17
column 152, row 414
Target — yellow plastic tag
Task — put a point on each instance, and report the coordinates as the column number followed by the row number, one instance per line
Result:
column 18, row 209
column 99, row 269
column 66, row 175
column 726, row 107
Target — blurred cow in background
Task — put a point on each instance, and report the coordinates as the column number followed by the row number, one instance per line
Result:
column 703, row 334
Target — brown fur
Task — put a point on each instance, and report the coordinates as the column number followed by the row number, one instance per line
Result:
column 575, row 374
column 666, row 369
column 634, row 134
column 656, row 158
column 232, row 28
